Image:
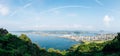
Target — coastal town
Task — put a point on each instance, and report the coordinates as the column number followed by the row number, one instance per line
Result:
column 101, row 37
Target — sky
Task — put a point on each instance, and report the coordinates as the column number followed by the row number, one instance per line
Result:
column 92, row 15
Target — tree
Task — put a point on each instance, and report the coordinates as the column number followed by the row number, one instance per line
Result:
column 3, row 31
column 51, row 50
column 25, row 38
column 114, row 45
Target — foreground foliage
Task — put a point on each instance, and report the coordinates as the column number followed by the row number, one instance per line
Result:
column 12, row 45
column 108, row 48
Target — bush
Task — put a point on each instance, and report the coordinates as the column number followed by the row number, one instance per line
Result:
column 25, row 38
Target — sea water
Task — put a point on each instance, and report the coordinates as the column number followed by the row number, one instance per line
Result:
column 49, row 41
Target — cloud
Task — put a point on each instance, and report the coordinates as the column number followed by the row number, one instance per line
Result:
column 62, row 7
column 59, row 27
column 109, row 9
column 13, row 13
column 72, row 15
column 23, row 7
column 27, row 5
column 4, row 10
column 69, row 7
column 99, row 2
column 107, row 19
column 56, row 12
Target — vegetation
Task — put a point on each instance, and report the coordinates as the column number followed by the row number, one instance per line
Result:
column 113, row 46
column 108, row 48
column 3, row 31
column 12, row 45
column 25, row 38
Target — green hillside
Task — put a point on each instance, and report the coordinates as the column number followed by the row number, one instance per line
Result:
column 12, row 45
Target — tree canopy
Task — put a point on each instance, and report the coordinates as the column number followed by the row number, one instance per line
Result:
column 25, row 38
column 3, row 31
